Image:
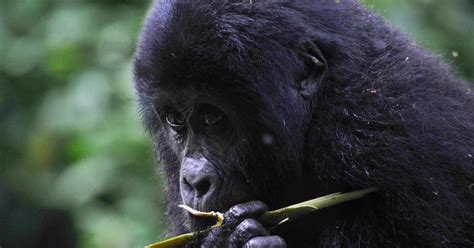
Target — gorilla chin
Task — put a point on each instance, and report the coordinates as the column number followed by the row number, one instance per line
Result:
column 258, row 105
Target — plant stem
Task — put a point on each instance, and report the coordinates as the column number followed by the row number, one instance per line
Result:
column 274, row 218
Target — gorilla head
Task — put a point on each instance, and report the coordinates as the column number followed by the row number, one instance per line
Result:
column 229, row 104
column 276, row 102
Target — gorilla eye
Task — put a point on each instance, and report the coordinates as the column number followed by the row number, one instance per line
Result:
column 175, row 119
column 213, row 117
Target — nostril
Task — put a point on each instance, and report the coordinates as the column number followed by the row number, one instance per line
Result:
column 202, row 187
column 187, row 183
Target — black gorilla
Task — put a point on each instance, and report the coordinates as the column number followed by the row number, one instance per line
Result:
column 268, row 103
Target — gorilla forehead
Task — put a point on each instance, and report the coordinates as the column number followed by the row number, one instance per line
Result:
column 218, row 41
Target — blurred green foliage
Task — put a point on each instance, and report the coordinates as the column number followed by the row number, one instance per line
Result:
column 70, row 136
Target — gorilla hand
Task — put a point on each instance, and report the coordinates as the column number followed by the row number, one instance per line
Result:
column 242, row 230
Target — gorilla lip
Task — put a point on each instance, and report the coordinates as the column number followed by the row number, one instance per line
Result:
column 219, row 216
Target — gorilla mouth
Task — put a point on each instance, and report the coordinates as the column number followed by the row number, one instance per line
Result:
column 200, row 223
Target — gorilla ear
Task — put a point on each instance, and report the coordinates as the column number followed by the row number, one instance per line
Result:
column 310, row 79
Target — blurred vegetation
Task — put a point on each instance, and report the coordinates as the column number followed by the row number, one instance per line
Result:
column 70, row 138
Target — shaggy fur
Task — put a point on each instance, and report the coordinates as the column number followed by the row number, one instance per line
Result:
column 388, row 114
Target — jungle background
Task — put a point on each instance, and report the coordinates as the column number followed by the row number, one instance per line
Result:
column 76, row 168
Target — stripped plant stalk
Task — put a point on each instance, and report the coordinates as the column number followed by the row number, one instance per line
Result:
column 270, row 218
column 217, row 215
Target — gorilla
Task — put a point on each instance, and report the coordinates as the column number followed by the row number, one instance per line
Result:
column 257, row 105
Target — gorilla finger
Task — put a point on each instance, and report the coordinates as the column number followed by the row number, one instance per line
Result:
column 247, row 210
column 268, row 241
column 246, row 230
column 213, row 239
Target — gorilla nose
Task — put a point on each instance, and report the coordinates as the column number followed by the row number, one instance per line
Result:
column 200, row 185
column 197, row 176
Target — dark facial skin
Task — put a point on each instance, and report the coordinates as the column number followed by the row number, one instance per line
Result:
column 200, row 135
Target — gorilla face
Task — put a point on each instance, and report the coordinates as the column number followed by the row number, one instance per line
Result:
column 228, row 138
column 233, row 127
column 201, row 131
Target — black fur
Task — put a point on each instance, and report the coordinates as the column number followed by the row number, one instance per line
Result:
column 387, row 114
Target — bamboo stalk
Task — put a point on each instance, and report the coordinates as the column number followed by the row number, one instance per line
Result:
column 275, row 217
